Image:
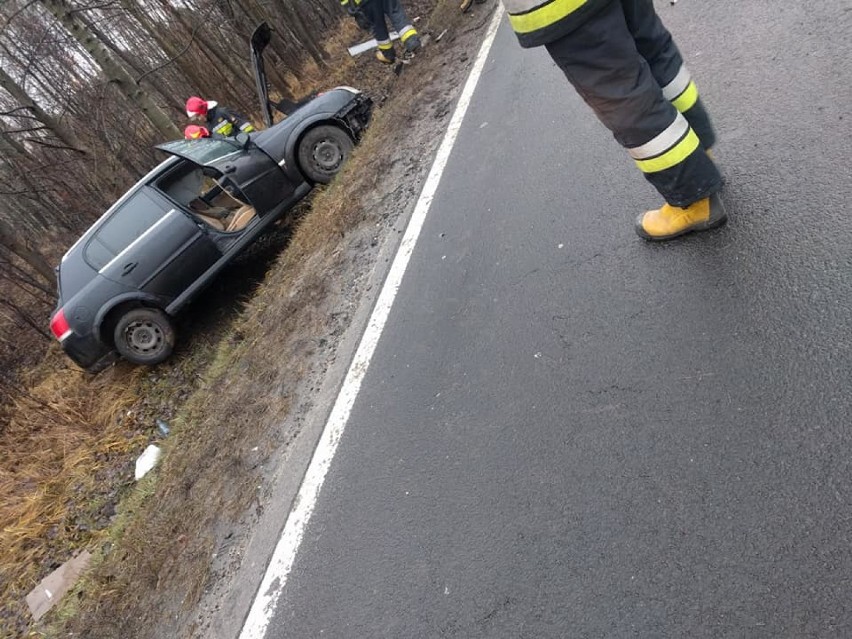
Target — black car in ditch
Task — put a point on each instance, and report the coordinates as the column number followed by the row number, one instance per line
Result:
column 166, row 239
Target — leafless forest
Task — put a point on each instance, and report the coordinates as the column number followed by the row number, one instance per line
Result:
column 86, row 88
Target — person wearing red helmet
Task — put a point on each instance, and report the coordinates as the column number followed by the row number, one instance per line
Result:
column 218, row 119
column 194, row 132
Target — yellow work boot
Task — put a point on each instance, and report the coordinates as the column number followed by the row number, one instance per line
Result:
column 671, row 221
column 386, row 57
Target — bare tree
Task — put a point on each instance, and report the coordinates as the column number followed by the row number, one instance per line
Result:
column 29, row 106
column 13, row 241
column 112, row 67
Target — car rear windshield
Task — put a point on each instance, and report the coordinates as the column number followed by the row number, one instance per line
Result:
column 204, row 151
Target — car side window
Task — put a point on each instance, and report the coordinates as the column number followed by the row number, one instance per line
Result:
column 122, row 228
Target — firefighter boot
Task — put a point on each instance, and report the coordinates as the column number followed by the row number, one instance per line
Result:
column 671, row 221
column 412, row 43
column 386, row 56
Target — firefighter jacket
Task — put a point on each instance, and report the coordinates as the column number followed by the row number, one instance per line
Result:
column 221, row 121
column 539, row 22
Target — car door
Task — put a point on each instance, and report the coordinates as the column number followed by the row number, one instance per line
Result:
column 148, row 245
column 241, row 167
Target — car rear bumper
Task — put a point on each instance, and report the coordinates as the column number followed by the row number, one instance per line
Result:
column 88, row 352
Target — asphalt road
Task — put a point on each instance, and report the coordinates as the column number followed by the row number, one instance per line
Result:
column 567, row 432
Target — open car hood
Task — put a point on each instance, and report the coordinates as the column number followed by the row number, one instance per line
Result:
column 259, row 41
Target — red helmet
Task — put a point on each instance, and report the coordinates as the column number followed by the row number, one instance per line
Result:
column 196, row 106
column 193, row 132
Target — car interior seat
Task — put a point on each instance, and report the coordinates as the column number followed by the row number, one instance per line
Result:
column 240, row 219
column 217, row 224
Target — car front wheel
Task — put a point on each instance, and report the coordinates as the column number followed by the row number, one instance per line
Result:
column 144, row 336
column 323, row 151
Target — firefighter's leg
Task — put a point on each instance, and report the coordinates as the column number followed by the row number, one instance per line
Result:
column 376, row 15
column 601, row 60
column 400, row 22
column 656, row 45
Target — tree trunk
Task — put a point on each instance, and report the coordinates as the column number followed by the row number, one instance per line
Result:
column 192, row 72
column 15, row 243
column 234, row 72
column 25, row 317
column 305, row 37
column 112, row 68
column 134, row 66
column 59, row 130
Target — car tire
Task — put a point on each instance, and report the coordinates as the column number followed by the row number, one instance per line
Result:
column 144, row 336
column 322, row 152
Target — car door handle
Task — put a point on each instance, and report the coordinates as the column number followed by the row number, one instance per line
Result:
column 229, row 168
column 129, row 267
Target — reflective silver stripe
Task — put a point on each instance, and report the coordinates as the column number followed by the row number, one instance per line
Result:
column 130, row 246
column 678, row 85
column 522, row 6
column 663, row 142
column 85, row 237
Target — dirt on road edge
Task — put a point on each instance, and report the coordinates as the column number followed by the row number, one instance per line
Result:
column 182, row 534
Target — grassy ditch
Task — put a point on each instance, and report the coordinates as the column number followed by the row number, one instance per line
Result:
column 66, row 458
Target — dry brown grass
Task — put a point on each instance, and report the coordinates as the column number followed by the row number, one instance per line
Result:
column 62, row 436
column 67, row 457
column 153, row 562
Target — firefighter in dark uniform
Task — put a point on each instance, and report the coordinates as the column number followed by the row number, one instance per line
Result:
column 373, row 12
column 625, row 65
column 218, row 120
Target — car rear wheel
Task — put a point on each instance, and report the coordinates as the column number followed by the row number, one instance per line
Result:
column 323, row 151
column 144, row 336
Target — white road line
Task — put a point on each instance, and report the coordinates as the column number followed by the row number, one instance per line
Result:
column 275, row 579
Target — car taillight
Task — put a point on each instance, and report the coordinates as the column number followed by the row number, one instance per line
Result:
column 59, row 325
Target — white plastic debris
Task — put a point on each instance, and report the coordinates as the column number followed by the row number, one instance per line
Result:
column 358, row 49
column 147, row 460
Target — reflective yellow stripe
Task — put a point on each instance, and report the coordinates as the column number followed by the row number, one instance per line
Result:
column 224, row 128
column 384, row 46
column 677, row 154
column 409, row 32
column 544, row 16
column 686, row 100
